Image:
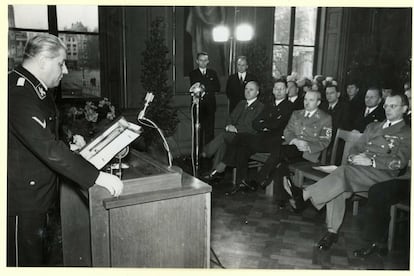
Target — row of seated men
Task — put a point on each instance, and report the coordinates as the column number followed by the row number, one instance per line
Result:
column 292, row 134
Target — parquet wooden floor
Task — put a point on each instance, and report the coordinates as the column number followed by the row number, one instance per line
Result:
column 249, row 231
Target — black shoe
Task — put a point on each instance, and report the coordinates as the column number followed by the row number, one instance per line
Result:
column 251, row 186
column 214, row 175
column 296, row 194
column 233, row 191
column 265, row 183
column 373, row 248
column 327, row 241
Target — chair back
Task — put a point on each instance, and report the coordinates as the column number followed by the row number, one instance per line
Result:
column 349, row 137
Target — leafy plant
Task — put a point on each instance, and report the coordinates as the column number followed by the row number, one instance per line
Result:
column 154, row 79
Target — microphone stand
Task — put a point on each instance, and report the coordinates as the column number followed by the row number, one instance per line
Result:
column 197, row 92
column 196, row 100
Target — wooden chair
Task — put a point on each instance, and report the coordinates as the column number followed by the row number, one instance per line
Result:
column 258, row 159
column 401, row 206
column 305, row 170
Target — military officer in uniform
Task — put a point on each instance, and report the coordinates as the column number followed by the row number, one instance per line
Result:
column 377, row 156
column 35, row 156
column 306, row 135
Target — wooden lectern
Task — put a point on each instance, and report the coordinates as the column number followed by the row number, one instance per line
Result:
column 162, row 219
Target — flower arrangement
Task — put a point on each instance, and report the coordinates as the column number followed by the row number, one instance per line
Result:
column 86, row 120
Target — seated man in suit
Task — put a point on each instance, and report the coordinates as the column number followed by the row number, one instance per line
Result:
column 236, row 83
column 306, row 135
column 376, row 221
column 380, row 153
column 293, row 94
column 338, row 109
column 355, row 98
column 239, row 121
column 269, row 125
column 373, row 112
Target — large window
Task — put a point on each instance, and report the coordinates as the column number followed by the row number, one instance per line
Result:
column 294, row 41
column 77, row 26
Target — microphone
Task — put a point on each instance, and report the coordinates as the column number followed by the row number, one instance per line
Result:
column 148, row 98
column 197, row 90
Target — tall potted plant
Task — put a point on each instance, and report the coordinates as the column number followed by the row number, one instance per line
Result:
column 154, row 79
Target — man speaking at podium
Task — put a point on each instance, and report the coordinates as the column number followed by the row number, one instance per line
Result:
column 35, row 157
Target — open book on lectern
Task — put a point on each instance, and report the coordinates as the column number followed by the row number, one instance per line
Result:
column 104, row 147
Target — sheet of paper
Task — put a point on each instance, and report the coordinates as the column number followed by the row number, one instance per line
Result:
column 326, row 169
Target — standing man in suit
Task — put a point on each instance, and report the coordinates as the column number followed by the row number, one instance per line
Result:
column 307, row 134
column 381, row 152
column 338, row 109
column 373, row 111
column 209, row 79
column 239, row 121
column 236, row 83
column 35, row 157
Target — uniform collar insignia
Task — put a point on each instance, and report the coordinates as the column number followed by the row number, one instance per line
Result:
column 36, row 84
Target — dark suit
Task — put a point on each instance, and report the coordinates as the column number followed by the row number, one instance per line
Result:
column 361, row 121
column 269, row 125
column 340, row 119
column 241, row 118
column 390, row 150
column 235, row 89
column 298, row 103
column 35, row 158
column 208, row 102
column 380, row 198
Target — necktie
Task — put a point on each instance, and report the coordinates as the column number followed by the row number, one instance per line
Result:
column 366, row 112
column 330, row 108
column 241, row 78
column 307, row 115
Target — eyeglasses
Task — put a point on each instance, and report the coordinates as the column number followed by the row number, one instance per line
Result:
column 392, row 106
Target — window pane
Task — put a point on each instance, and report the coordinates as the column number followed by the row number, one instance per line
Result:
column 303, row 61
column 282, row 25
column 77, row 18
column 280, row 61
column 17, row 42
column 28, row 16
column 82, row 61
column 305, row 26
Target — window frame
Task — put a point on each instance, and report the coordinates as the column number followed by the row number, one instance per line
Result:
column 53, row 29
column 291, row 45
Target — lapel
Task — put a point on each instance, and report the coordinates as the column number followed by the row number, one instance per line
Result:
column 315, row 117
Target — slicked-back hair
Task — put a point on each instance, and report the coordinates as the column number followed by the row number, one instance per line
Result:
column 403, row 97
column 318, row 93
column 280, row 80
column 47, row 44
column 256, row 83
column 375, row 88
column 244, row 58
column 201, row 54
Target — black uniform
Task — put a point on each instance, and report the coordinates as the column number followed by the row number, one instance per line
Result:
column 35, row 157
column 208, row 103
column 270, row 125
